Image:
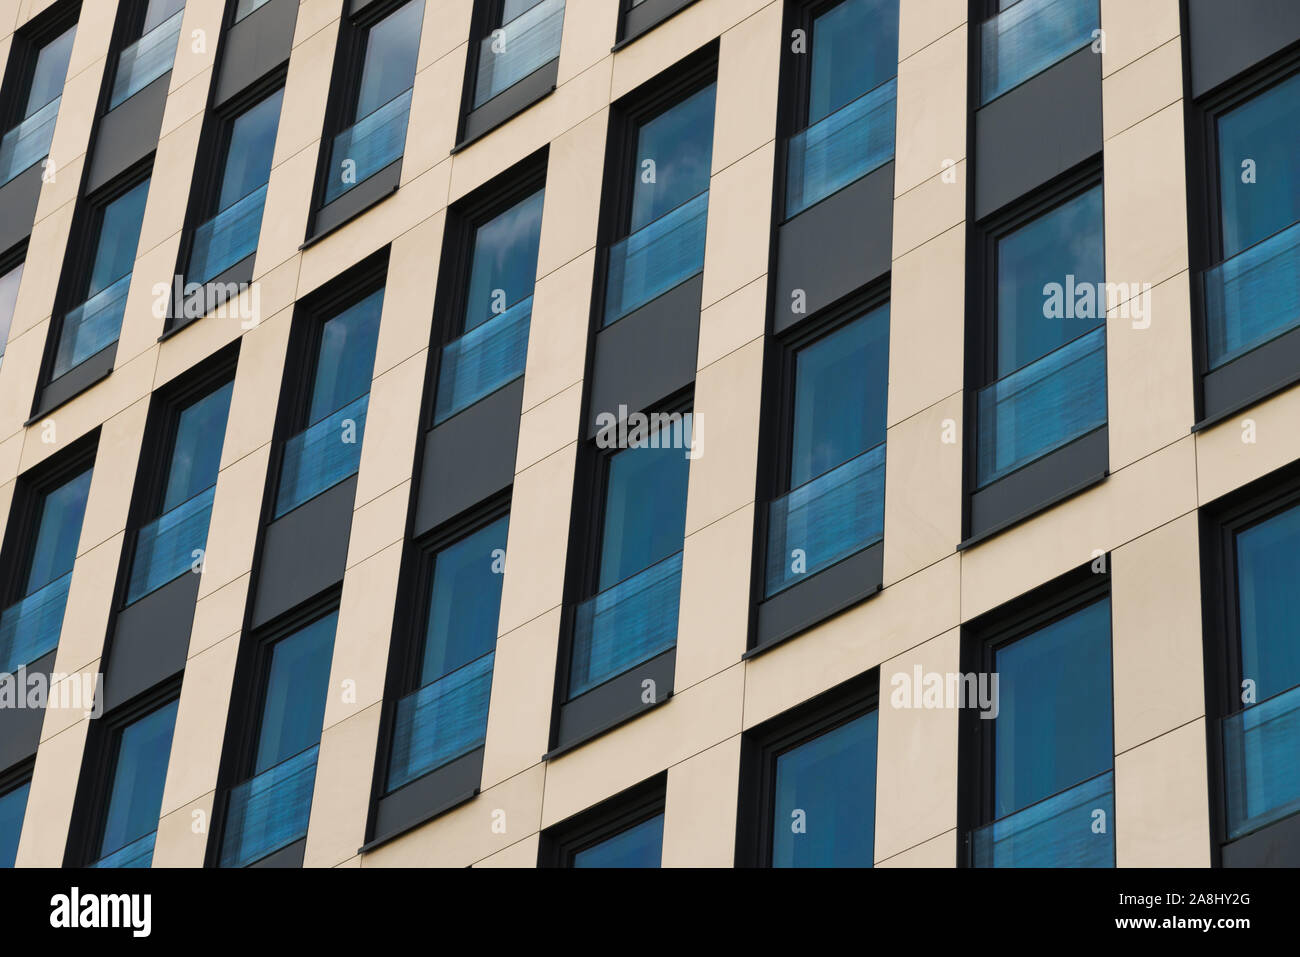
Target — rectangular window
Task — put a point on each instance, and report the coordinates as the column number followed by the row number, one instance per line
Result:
column 518, row 38
column 172, row 542
column 1045, row 793
column 492, row 305
column 232, row 205
column 152, row 31
column 270, row 809
column 378, row 67
column 809, row 780
column 10, row 276
column 48, row 519
column 34, row 89
column 1022, row 38
column 637, row 17
column 13, row 808
column 332, row 413
column 625, row 831
column 846, row 111
column 664, row 177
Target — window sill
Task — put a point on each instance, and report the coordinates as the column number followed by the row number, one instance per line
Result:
column 605, row 707
column 361, row 198
column 508, row 104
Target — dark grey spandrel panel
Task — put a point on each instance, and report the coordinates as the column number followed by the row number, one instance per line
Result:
column 76, row 380
column 1277, row 845
column 20, row 728
column 357, row 200
column 1252, row 377
column 617, row 700
column 820, row 596
column 255, row 46
column 151, row 640
column 129, row 133
column 1230, row 37
column 425, row 797
column 509, row 103
column 18, row 199
column 646, row 16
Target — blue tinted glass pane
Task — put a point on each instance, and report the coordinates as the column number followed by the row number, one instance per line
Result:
column 196, row 454
column 645, row 511
column 248, row 158
column 825, row 811
column 51, row 70
column 638, row 846
column 8, row 299
column 465, row 601
column 391, row 48
column 119, row 234
column 1063, row 247
column 138, row 777
column 841, row 382
column 1268, row 602
column 158, row 11
column 1053, row 728
column 1265, row 132
column 296, row 689
column 512, row 8
column 854, row 49
column 56, row 538
column 347, row 356
column 13, row 806
column 505, row 261
column 673, row 153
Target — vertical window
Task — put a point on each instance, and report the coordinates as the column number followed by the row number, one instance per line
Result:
column 172, row 543
column 139, row 753
column 13, row 807
column 519, row 38
column 9, row 280
column 1049, row 752
column 376, row 106
column 270, row 810
column 29, row 127
column 246, row 143
column 328, row 450
column 625, row 831
column 104, row 278
column 30, row 626
column 152, row 31
column 662, row 226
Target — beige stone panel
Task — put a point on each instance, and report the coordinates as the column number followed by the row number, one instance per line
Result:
column 926, row 319
column 79, row 416
column 1162, row 813
column 493, row 821
column 1248, row 445
column 316, row 15
column 1131, row 502
column 182, row 839
column 80, row 100
column 276, row 289
column 921, row 22
column 219, row 615
column 117, row 455
column 392, row 427
column 923, row 489
column 677, row 38
column 939, row 851
column 575, row 101
column 435, row 112
column 930, row 209
column 446, row 26
column 406, row 322
column 200, row 724
column 538, row 540
column 1135, row 29
column 520, row 854
column 548, row 427
column 341, row 795
column 169, row 187
column 732, row 322
column 71, row 697
column 45, row 248
column 350, row 862
column 1150, row 373
column 94, row 30
column 1146, row 200
column 691, row 721
column 700, row 808
column 8, row 19
column 185, row 102
column 306, row 89
column 378, row 524
column 557, row 340
column 713, row 619
column 916, row 754
column 589, row 32
column 931, row 125
column 736, row 240
column 373, row 229
column 1156, row 632
column 143, row 319
column 49, row 802
column 11, row 450
column 749, row 63
column 361, row 641
column 251, row 420
column 236, row 518
column 571, row 209
column 903, row 616
column 32, row 8
column 1142, row 88
column 18, row 374
column 63, row 187
column 197, row 49
column 288, row 203
column 519, row 712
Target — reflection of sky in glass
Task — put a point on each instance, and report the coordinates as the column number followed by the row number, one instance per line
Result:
column 679, row 143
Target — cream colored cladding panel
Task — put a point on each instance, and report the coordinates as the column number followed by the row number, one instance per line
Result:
column 49, row 802
column 1162, row 812
column 1249, row 445
column 700, row 808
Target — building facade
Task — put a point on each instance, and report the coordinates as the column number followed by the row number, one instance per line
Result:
column 639, row 432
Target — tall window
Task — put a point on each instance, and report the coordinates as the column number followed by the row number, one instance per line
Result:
column 13, row 807
column 9, row 280
column 270, row 809
column 139, row 753
column 31, row 125
column 153, row 29
column 521, row 37
column 625, row 831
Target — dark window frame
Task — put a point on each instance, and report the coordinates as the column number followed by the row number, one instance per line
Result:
column 24, row 52
column 635, row 21
column 16, row 776
column 640, row 803
column 762, row 744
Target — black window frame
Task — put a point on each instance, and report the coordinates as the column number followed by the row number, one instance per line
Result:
column 636, row 20
column 14, row 777
column 762, row 744
column 640, row 803
column 24, row 52
column 13, row 258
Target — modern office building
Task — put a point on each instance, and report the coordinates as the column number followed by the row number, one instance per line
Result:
column 650, row 432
